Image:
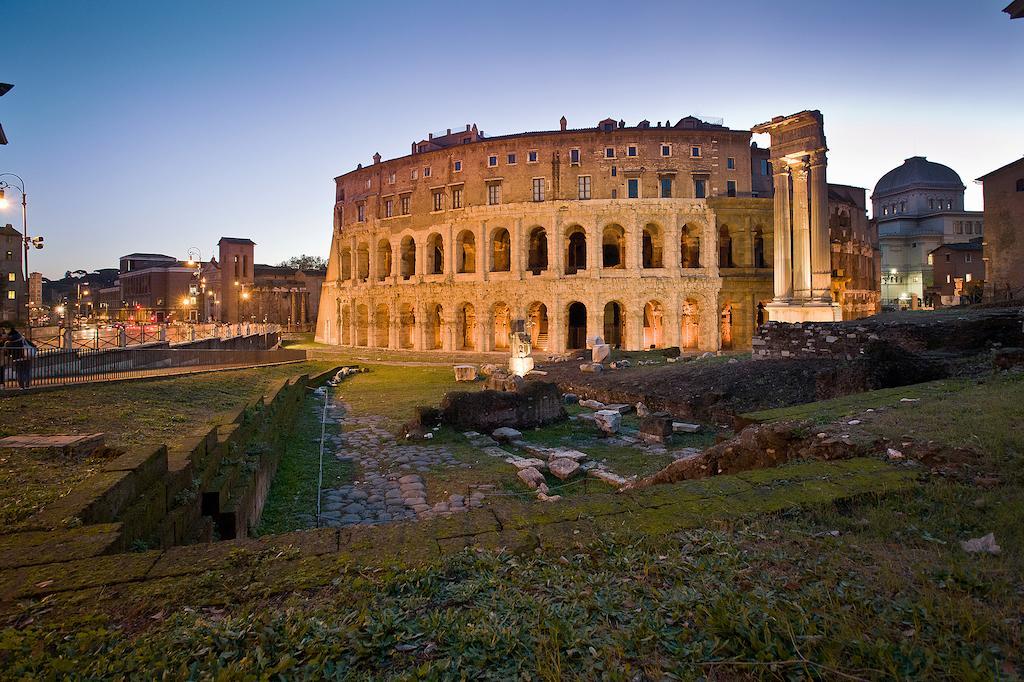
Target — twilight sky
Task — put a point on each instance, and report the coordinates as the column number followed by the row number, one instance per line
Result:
column 157, row 126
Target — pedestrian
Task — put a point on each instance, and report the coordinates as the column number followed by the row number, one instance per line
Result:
column 4, row 363
column 20, row 351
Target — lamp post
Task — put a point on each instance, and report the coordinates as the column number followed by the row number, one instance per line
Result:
column 195, row 259
column 26, row 240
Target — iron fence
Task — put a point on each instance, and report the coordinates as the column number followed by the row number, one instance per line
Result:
column 62, row 367
column 125, row 335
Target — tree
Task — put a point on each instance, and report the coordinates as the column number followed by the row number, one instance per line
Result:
column 305, row 262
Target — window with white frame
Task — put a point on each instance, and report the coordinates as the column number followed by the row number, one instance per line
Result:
column 531, row 156
column 631, row 150
column 494, row 193
column 438, row 200
column 403, row 204
column 414, row 174
column 609, row 152
column 538, row 189
column 492, row 161
column 730, row 163
column 458, row 166
column 456, row 197
column 391, row 178
column 666, row 150
column 389, row 208
column 574, row 157
column 695, row 151
column 511, row 159
column 583, row 186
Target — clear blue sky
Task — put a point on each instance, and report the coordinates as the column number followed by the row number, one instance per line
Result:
column 156, row 126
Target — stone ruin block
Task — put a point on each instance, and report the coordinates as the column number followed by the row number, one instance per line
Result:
column 600, row 352
column 656, row 427
column 563, row 468
column 465, row 372
column 608, row 421
column 537, row 403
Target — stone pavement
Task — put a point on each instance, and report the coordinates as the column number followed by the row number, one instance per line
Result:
column 388, row 483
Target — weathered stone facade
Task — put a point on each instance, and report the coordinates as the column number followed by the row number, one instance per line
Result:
column 1004, row 238
column 647, row 236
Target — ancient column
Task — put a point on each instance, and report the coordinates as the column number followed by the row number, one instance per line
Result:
column 801, row 234
column 783, row 235
column 821, row 243
column 302, row 307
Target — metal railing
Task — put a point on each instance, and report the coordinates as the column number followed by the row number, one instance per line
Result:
column 63, row 367
column 123, row 336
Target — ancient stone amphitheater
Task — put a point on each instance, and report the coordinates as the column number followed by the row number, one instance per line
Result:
column 651, row 235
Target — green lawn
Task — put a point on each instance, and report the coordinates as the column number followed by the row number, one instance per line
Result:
column 395, row 391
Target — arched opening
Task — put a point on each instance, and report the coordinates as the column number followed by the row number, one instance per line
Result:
column 383, row 259
column 406, row 326
column 654, row 325
column 363, row 262
column 346, row 325
column 538, row 325
column 435, row 254
column 435, row 327
column 576, row 250
column 759, row 260
column 408, row 257
column 614, row 324
column 362, row 326
column 502, row 326
column 727, row 327
column 465, row 252
column 724, row 247
column 690, row 324
column 346, row 264
column 689, row 247
column 762, row 315
column 652, row 247
column 537, row 260
column 501, row 251
column 467, row 327
column 613, row 247
column 577, row 326
column 381, row 324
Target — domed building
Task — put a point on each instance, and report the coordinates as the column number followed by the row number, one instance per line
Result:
column 918, row 207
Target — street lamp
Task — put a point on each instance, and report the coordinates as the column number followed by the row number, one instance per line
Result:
column 195, row 259
column 37, row 242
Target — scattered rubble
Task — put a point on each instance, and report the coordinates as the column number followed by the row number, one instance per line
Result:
column 985, row 544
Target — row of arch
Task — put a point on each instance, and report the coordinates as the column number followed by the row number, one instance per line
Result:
column 374, row 326
column 612, row 253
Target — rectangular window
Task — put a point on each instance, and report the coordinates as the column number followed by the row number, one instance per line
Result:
column 458, row 166
column 457, row 197
column 367, row 183
column 633, row 188
column 730, row 163
column 11, row 277
column 494, row 193
column 10, row 295
column 389, row 208
column 666, row 188
column 631, row 150
column 730, row 188
column 438, row 201
column 695, row 152
column 615, row 194
column 615, row 171
column 426, row 171
column 609, row 152
column 574, row 157
column 531, row 156
column 958, row 227
column 583, row 186
column 538, row 189
column 949, row 279
column 511, row 159
column 414, row 174
column 968, row 277
column 700, row 188
column 361, row 212
column 666, row 150
column 492, row 161
column 404, row 204
column 970, row 227
column 391, row 178
column 967, row 259
column 947, row 257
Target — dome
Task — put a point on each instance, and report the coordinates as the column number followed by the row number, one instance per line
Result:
column 917, row 171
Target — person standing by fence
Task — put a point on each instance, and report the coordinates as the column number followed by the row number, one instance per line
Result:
column 19, row 352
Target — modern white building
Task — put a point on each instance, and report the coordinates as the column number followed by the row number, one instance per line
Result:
column 918, row 207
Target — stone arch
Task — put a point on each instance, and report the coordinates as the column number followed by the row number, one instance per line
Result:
column 435, row 254
column 408, row 255
column 575, row 249
column 363, row 261
column 760, row 260
column 383, row 259
column 537, row 251
column 362, row 325
column 501, row 327
column 406, row 326
column 435, row 327
column 537, row 319
column 346, row 264
column 725, row 248
column 346, row 324
column 576, row 325
column 653, row 246
column 465, row 252
column 381, row 326
column 501, row 250
column 726, row 324
column 654, row 325
column 689, row 246
column 689, row 324
column 466, row 323
column 613, row 247
column 614, row 327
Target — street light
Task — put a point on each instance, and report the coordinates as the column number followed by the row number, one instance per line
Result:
column 37, row 242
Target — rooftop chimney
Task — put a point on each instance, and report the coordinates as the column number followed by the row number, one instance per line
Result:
column 376, row 157
column 563, row 123
column 467, row 127
column 449, row 131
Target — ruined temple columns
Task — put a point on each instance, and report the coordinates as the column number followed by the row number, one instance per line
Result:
column 821, row 248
